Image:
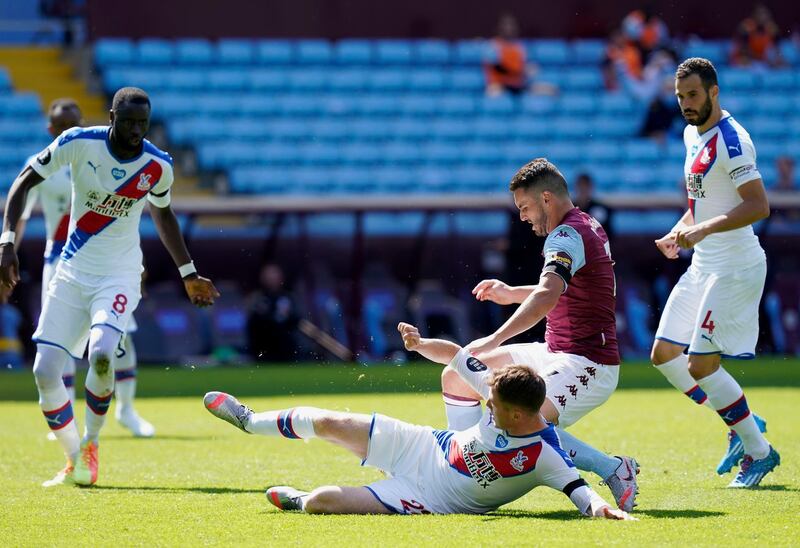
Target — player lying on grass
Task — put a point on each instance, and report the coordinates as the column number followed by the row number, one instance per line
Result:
column 510, row 451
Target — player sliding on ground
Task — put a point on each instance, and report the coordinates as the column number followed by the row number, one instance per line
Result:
column 510, row 451
column 96, row 286
column 576, row 292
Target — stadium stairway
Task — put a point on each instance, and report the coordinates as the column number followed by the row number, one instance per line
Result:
column 44, row 72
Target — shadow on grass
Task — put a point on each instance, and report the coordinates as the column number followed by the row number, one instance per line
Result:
column 156, row 438
column 779, row 487
column 207, row 490
column 567, row 515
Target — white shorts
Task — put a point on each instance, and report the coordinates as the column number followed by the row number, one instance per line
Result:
column 406, row 452
column 47, row 274
column 575, row 385
column 77, row 301
column 715, row 313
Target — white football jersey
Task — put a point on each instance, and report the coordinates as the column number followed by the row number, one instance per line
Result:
column 106, row 199
column 718, row 162
column 485, row 467
column 55, row 194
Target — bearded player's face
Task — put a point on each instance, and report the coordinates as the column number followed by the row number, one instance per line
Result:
column 531, row 210
column 695, row 102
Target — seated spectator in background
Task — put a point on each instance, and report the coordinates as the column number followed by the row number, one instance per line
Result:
column 584, row 199
column 646, row 30
column 787, row 180
column 506, row 70
column 272, row 318
column 10, row 320
column 662, row 112
column 755, row 40
column 622, row 55
column 650, row 83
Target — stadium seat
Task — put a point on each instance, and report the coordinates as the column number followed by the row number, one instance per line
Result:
column 457, row 105
column 537, row 104
column 418, row 105
column 194, row 51
column 466, row 80
column 470, row 52
column 776, row 80
column 274, row 52
column 20, row 105
column 393, row 52
column 588, row 52
column 288, row 130
column 502, row 105
column 790, row 52
column 227, row 80
column 448, row 129
column 616, row 103
column 5, row 80
column 353, row 51
column 588, row 79
column 308, row 80
column 426, row 80
column 768, row 127
column 383, row 80
column 530, row 128
column 716, row 52
column 401, row 154
column 360, row 154
column 435, row 179
column 577, row 104
column 313, row 52
column 329, row 130
column 154, row 51
column 482, row 154
column 569, row 127
column 767, row 102
column 186, row 79
column 602, row 152
column 377, row 105
column 268, row 80
column 548, row 52
column 737, row 80
column 235, row 52
column 610, row 127
column 298, row 105
column 351, row 180
column 113, row 51
column 369, row 129
column 491, row 129
column 642, row 151
column 350, row 79
column 430, row 52
column 410, row 129
column 441, row 154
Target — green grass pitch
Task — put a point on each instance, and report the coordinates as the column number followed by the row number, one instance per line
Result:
column 200, row 481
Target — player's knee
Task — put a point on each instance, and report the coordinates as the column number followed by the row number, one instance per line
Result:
column 700, row 369
column 48, row 367
column 451, row 381
column 100, row 360
column 663, row 352
column 324, row 500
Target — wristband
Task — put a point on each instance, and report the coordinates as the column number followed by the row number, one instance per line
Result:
column 8, row 237
column 186, row 269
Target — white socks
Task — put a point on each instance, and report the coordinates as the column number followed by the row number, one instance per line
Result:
column 294, row 423
column 58, row 413
column 677, row 373
column 462, row 413
column 727, row 398
column 586, row 457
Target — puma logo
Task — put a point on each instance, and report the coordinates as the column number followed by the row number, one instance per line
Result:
column 94, row 167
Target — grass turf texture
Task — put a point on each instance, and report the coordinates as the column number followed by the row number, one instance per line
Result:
column 200, row 481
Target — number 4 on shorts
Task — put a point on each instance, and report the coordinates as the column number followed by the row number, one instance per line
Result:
column 708, row 323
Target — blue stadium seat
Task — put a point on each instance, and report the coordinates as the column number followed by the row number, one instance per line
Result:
column 577, row 104
column 538, row 104
column 530, row 128
column 792, row 148
column 608, row 179
column 383, row 80
column 377, row 105
column 360, row 154
column 564, row 152
column 442, row 154
column 339, row 104
column 113, row 51
column 353, row 51
column 289, row 130
column 769, row 174
column 348, row 80
column 25, row 104
column 271, row 80
column 186, row 79
column 154, row 51
column 548, row 52
column 716, row 52
column 393, row 180
column 430, row 52
column 502, row 105
column 569, row 127
column 739, row 104
column 369, row 129
column 607, row 126
column 323, row 154
column 768, row 150
column 491, row 223
column 246, row 129
column 769, row 102
column 168, row 106
column 235, row 52
column 352, row 180
column 255, row 105
column 602, row 152
column 393, row 52
column 314, row 52
column 23, row 130
column 449, row 129
column 466, row 80
column 331, row 130
column 642, row 151
column 735, row 80
column 274, row 52
column 194, row 51
column 457, row 105
column 412, row 129
column 491, row 129
column 589, row 79
column 228, row 80
column 636, row 177
column 5, row 80
column 481, row 154
column 299, row 105
column 279, row 154
column 399, row 153
column 308, row 80
column 588, row 52
column 475, row 179
column 427, row 80
column 778, row 79
column 768, row 127
column 790, row 52
column 616, row 103
column 434, row 179
column 470, row 52
column 418, row 105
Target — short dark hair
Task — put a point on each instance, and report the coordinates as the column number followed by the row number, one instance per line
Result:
column 539, row 174
column 133, row 95
column 519, row 385
column 701, row 67
column 64, row 103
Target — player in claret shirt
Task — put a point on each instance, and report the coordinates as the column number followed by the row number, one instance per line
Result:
column 96, row 286
column 510, row 451
column 579, row 359
column 712, row 312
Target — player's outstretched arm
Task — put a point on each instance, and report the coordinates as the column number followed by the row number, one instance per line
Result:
column 435, row 350
column 500, row 292
column 201, row 290
column 15, row 204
